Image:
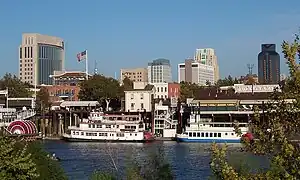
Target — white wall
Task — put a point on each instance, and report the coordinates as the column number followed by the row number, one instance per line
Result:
column 136, row 98
column 161, row 90
column 139, row 85
column 169, row 133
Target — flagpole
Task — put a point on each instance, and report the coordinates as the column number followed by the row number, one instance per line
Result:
column 6, row 100
column 86, row 65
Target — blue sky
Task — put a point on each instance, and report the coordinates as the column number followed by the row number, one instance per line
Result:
column 124, row 34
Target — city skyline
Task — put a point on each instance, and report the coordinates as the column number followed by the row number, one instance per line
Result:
column 130, row 37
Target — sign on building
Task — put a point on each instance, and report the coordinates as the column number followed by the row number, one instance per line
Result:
column 173, row 102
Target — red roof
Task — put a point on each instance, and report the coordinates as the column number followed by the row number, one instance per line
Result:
column 214, row 94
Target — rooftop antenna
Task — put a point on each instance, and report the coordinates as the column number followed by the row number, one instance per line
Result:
column 95, row 68
column 250, row 68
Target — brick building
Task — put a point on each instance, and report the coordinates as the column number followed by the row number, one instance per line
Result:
column 65, row 85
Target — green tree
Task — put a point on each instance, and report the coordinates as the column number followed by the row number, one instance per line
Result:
column 227, row 81
column 188, row 90
column 48, row 168
column 127, row 84
column 208, row 83
column 15, row 162
column 100, row 88
column 274, row 130
column 16, row 88
column 97, row 175
column 43, row 99
column 157, row 168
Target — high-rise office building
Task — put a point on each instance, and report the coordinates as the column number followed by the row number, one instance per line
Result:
column 135, row 74
column 208, row 57
column 195, row 72
column 268, row 65
column 159, row 71
column 39, row 56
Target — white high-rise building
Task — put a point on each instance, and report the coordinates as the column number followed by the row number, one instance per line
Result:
column 195, row 72
column 207, row 56
column 159, row 71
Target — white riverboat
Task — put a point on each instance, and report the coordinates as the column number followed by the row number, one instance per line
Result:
column 203, row 130
column 107, row 127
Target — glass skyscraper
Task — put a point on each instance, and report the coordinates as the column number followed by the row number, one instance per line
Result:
column 268, row 65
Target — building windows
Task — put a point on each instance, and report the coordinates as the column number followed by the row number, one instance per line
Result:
column 25, row 52
column 165, row 89
column 142, row 105
column 132, row 106
column 142, row 96
column 20, row 52
column 131, row 96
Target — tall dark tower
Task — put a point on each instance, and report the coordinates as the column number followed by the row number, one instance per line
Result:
column 268, row 65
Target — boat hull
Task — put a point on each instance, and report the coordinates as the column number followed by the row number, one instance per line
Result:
column 208, row 140
column 72, row 139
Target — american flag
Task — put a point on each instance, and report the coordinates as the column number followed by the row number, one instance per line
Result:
column 81, row 56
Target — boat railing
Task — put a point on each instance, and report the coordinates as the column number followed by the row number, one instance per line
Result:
column 200, row 122
column 161, row 116
column 105, row 130
column 111, row 122
column 220, row 124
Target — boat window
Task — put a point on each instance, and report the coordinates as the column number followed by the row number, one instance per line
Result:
column 120, row 135
column 105, row 134
column 194, row 134
column 232, row 133
column 77, row 133
column 130, row 134
column 198, row 134
column 211, row 135
column 82, row 133
column 108, row 126
column 90, row 126
column 117, row 126
column 99, row 126
column 219, row 134
column 206, row 134
column 93, row 125
column 73, row 133
column 135, row 134
column 190, row 134
column 113, row 126
column 202, row 134
column 215, row 134
column 226, row 134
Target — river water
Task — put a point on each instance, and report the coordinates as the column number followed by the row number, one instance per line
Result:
column 188, row 161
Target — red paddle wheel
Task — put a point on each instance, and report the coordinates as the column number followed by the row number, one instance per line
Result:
column 22, row 127
column 248, row 137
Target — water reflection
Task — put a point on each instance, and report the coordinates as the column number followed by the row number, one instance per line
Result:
column 188, row 160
